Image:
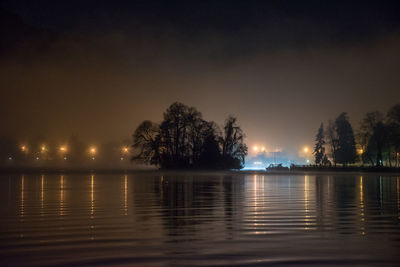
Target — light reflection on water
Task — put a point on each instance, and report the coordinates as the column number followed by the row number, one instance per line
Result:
column 126, row 194
column 199, row 219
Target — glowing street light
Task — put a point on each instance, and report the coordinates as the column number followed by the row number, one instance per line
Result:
column 360, row 151
column 92, row 152
column 262, row 149
column 24, row 148
column 255, row 148
column 63, row 152
column 125, row 150
column 43, row 148
column 306, row 149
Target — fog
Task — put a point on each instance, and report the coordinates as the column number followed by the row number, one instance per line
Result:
column 101, row 82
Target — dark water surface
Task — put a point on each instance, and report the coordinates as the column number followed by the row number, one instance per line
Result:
column 183, row 219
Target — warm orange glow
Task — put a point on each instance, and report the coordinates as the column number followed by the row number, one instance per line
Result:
column 43, row 148
column 262, row 149
column 92, row 150
column 92, row 195
column 23, row 148
column 63, row 149
column 255, row 148
column 360, row 151
column 125, row 149
column 306, row 149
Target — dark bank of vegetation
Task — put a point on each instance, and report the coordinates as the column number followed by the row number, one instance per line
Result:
column 376, row 144
column 184, row 140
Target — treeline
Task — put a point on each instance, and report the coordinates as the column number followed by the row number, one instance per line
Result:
column 184, row 140
column 376, row 143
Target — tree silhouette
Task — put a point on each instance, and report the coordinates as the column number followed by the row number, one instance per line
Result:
column 346, row 150
column 185, row 140
column 146, row 143
column 373, row 132
column 332, row 140
column 393, row 130
column 233, row 148
column 319, row 150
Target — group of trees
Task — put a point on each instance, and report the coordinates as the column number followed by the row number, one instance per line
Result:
column 379, row 137
column 185, row 140
column 340, row 137
column 378, row 140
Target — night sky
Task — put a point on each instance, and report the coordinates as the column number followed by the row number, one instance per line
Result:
column 99, row 68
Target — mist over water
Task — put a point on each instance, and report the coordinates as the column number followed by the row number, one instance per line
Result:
column 185, row 219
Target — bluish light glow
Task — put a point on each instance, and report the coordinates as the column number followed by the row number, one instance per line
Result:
column 260, row 161
column 251, row 168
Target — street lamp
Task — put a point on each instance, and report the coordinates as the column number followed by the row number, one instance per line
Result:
column 92, row 151
column 125, row 151
column 63, row 152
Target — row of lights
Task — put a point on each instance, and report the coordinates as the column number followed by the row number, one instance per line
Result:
column 92, row 149
column 262, row 149
column 63, row 149
column 306, row 149
column 257, row 148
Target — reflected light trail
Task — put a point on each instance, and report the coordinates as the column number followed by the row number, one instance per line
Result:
column 362, row 208
column 380, row 191
column 126, row 195
column 92, row 227
column 91, row 196
column 255, row 224
column 41, row 195
column 255, row 185
column 62, row 195
column 162, row 186
column 259, row 196
column 306, row 209
column 398, row 197
column 22, row 197
column 329, row 185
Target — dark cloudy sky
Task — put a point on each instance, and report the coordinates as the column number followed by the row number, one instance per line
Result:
column 98, row 68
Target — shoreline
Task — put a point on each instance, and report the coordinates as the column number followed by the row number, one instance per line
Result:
column 295, row 171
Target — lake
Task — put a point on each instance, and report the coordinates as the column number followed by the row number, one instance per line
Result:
column 186, row 219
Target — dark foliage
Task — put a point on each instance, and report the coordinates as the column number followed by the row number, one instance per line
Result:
column 319, row 149
column 346, row 151
column 184, row 140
